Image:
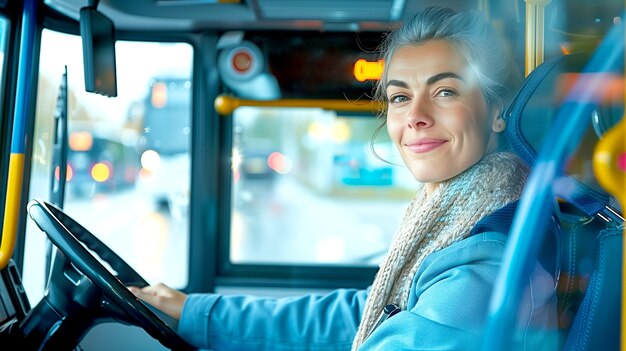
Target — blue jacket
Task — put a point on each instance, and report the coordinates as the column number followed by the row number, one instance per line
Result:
column 447, row 310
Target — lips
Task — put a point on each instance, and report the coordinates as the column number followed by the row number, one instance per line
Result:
column 424, row 145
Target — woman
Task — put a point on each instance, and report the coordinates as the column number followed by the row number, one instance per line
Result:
column 447, row 79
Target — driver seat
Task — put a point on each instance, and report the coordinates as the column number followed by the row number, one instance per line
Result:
column 589, row 284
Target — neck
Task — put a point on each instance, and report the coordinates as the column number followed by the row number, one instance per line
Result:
column 430, row 188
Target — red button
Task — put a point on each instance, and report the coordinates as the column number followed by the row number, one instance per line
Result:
column 242, row 61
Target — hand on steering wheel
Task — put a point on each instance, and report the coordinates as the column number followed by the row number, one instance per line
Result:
column 71, row 239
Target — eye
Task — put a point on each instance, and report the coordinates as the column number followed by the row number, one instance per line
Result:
column 396, row 99
column 446, row 93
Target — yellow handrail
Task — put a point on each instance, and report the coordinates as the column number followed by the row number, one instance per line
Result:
column 226, row 104
column 535, row 20
column 12, row 204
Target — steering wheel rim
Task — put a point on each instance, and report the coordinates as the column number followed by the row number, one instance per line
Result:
column 61, row 228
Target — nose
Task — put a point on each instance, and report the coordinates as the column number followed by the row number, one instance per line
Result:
column 419, row 115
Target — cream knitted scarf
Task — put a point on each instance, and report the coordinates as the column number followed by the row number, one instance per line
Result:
column 435, row 222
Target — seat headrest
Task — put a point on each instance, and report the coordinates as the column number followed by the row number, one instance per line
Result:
column 531, row 114
column 532, row 111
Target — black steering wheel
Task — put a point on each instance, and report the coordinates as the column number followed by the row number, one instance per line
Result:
column 72, row 239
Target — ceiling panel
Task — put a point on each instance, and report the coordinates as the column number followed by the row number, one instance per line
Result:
column 327, row 10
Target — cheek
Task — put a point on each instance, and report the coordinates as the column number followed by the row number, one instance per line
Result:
column 474, row 125
column 394, row 129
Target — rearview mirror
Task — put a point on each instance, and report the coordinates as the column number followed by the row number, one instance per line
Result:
column 98, row 36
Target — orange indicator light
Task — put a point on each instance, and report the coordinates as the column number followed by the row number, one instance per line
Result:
column 364, row 70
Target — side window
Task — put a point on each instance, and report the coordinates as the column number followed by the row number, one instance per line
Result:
column 128, row 159
column 307, row 188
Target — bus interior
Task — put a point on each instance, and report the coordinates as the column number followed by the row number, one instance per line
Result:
column 230, row 146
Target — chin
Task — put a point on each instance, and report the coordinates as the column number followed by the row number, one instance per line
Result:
column 427, row 178
column 422, row 178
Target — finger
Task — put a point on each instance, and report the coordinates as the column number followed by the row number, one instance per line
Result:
column 149, row 298
column 157, row 289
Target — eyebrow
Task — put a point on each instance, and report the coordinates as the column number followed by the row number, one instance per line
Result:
column 443, row 75
column 431, row 80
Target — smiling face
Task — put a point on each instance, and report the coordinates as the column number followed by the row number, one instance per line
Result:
column 436, row 114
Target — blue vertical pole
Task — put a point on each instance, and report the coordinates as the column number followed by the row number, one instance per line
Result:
column 535, row 205
column 23, row 106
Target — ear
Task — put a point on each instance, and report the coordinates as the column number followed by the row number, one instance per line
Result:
column 498, row 124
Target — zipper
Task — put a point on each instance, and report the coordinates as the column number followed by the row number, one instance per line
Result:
column 388, row 311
